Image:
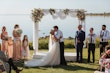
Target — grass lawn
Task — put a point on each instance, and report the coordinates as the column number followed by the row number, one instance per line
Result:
column 72, row 67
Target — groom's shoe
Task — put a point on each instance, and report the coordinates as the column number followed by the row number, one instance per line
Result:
column 64, row 64
column 80, row 61
column 77, row 61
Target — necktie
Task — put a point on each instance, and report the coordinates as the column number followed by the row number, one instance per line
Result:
column 102, row 36
column 91, row 39
column 77, row 33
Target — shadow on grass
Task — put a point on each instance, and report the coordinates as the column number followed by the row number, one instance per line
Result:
column 75, row 68
column 91, row 63
column 68, row 67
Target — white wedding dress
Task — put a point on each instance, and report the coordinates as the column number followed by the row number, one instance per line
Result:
column 51, row 59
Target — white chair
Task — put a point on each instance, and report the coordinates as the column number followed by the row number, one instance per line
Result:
column 5, row 66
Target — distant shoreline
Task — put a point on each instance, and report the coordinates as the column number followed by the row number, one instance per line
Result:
column 98, row 14
column 87, row 14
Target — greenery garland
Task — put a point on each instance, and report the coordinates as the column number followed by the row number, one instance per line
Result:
column 66, row 11
column 37, row 14
column 52, row 11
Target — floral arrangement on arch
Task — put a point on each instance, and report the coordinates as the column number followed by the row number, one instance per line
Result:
column 66, row 11
column 37, row 15
column 81, row 15
column 52, row 11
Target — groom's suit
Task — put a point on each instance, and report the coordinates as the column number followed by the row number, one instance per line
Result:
column 59, row 35
column 79, row 38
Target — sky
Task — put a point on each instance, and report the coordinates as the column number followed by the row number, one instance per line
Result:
column 25, row 6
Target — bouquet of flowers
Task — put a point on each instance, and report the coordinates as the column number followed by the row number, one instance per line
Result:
column 19, row 31
column 5, row 38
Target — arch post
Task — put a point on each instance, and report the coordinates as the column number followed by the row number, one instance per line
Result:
column 35, row 37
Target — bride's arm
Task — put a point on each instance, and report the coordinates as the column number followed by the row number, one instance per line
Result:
column 55, row 38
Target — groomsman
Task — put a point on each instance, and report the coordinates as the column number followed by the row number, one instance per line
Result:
column 91, row 44
column 79, row 42
column 104, row 36
column 59, row 36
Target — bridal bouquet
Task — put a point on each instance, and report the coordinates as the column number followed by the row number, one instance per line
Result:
column 5, row 38
column 19, row 31
column 105, row 63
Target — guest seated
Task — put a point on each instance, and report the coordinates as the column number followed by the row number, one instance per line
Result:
column 9, row 61
column 0, row 71
column 105, row 61
column 1, row 67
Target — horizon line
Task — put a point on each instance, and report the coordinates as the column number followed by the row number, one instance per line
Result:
column 30, row 13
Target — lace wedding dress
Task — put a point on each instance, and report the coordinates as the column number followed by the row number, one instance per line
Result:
column 51, row 59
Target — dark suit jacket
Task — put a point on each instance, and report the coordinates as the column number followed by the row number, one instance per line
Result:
column 80, row 36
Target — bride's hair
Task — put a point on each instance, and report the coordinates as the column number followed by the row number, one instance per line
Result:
column 52, row 32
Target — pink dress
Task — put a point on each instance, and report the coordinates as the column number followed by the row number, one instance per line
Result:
column 25, row 50
column 10, row 50
column 17, row 49
column 4, row 45
column 17, row 54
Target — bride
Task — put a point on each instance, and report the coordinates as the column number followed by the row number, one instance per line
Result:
column 53, row 56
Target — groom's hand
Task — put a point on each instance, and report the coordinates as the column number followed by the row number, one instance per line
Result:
column 60, row 37
column 78, row 41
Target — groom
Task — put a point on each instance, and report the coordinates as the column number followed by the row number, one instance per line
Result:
column 59, row 36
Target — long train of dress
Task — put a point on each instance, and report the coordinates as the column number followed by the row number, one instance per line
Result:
column 51, row 59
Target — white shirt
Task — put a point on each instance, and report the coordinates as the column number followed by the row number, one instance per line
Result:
column 105, row 35
column 91, row 39
column 59, row 34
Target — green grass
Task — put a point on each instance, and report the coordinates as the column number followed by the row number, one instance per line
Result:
column 72, row 67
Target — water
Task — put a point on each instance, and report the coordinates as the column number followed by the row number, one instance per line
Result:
column 68, row 25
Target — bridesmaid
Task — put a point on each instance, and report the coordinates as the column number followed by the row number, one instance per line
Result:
column 10, row 48
column 25, row 47
column 4, row 37
column 17, row 54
